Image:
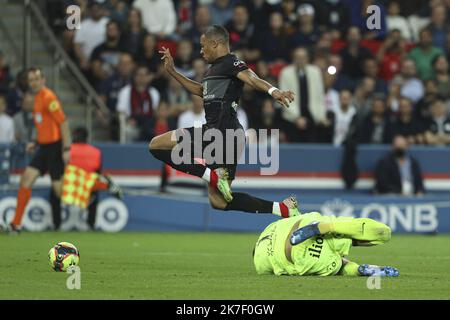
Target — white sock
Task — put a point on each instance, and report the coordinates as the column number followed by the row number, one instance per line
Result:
column 207, row 175
column 276, row 208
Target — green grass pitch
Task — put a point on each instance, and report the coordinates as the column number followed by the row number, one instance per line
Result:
column 208, row 266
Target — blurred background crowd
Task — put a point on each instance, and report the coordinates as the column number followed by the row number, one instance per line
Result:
column 351, row 82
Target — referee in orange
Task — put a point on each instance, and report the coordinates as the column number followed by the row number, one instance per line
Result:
column 53, row 145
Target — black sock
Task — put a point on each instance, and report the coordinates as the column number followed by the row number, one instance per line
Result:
column 247, row 203
column 55, row 203
column 195, row 169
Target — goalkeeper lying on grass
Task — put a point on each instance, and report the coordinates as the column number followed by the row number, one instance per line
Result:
column 312, row 244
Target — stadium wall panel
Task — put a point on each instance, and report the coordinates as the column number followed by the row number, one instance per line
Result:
column 154, row 213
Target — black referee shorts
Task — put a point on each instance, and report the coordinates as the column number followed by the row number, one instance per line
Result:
column 237, row 144
column 48, row 158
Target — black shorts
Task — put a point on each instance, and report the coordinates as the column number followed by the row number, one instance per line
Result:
column 48, row 158
column 229, row 163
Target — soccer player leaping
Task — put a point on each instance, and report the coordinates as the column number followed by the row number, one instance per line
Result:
column 221, row 89
column 312, row 244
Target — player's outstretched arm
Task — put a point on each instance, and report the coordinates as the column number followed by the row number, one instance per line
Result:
column 192, row 86
column 252, row 79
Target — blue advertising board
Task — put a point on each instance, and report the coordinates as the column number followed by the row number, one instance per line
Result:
column 428, row 214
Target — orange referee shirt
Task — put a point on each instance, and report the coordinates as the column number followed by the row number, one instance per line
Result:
column 48, row 116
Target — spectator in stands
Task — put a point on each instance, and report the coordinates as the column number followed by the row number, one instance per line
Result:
column 308, row 110
column 221, row 11
column 359, row 16
column 424, row 53
column 24, row 129
column 331, row 94
column 6, row 123
column 201, row 22
column 109, row 89
column 274, row 43
column 376, row 127
column 134, row 32
column 439, row 26
column 390, row 55
column 105, row 56
column 194, row 116
column 307, row 33
column 411, row 86
column 363, row 97
column 268, row 119
column 395, row 21
column 441, row 74
column 158, row 16
column 184, row 57
column 334, row 16
column 393, row 98
column 353, row 54
column 422, row 108
column 160, row 123
column 341, row 80
column 398, row 172
column 178, row 98
column 289, row 10
column 199, row 68
column 447, row 47
column 370, row 69
column 438, row 127
column 185, row 13
column 16, row 94
column 92, row 33
column 117, row 10
column 342, row 117
column 324, row 45
column 260, row 12
column 5, row 75
column 137, row 103
column 147, row 55
column 406, row 124
column 242, row 34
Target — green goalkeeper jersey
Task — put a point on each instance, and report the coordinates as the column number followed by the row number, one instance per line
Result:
column 320, row 255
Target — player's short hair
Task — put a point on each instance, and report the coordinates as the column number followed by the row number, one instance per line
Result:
column 80, row 135
column 36, row 69
column 218, row 33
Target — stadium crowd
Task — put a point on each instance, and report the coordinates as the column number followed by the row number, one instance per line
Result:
column 348, row 79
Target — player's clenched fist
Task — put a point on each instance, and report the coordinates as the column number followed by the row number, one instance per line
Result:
column 168, row 60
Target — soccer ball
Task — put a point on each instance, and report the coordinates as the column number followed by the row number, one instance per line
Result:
column 63, row 255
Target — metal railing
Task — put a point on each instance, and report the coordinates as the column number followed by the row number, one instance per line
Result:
column 62, row 61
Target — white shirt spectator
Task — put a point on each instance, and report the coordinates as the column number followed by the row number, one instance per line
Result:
column 158, row 16
column 342, row 121
column 412, row 89
column 91, row 34
column 6, row 129
column 332, row 99
column 400, row 23
column 124, row 99
column 191, row 119
column 289, row 80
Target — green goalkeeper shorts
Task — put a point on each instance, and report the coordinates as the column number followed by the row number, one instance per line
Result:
column 320, row 255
